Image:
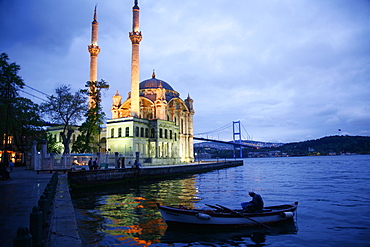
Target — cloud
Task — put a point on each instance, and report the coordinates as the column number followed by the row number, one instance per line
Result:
column 288, row 70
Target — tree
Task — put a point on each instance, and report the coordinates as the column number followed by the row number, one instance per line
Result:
column 88, row 140
column 52, row 145
column 27, row 124
column 10, row 83
column 66, row 109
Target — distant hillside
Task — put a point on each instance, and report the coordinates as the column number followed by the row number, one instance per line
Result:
column 328, row 145
column 331, row 145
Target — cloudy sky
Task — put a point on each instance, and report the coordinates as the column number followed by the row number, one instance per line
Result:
column 289, row 70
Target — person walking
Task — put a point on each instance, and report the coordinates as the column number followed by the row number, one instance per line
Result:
column 11, row 166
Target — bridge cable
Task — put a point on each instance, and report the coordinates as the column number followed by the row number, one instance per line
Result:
column 248, row 136
column 216, row 130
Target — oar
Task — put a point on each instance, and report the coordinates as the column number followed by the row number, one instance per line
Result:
column 242, row 215
column 211, row 206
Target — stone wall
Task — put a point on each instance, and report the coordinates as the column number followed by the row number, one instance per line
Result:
column 86, row 178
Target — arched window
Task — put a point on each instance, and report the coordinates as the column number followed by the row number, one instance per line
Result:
column 119, row 132
column 160, row 133
column 170, row 134
column 137, row 132
column 152, row 133
column 141, row 132
column 127, row 132
column 146, row 132
column 165, row 133
column 112, row 132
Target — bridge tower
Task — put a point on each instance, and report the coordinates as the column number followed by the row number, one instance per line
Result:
column 237, row 133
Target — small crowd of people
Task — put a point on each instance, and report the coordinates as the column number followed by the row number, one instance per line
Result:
column 93, row 164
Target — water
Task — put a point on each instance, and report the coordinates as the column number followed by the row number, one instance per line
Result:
column 333, row 194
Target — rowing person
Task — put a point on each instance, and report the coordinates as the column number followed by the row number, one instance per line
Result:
column 255, row 205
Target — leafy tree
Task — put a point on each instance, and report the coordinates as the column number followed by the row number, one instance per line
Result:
column 10, row 83
column 88, row 140
column 66, row 109
column 52, row 145
column 27, row 124
column 22, row 116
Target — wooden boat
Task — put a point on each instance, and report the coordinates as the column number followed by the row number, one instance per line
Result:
column 223, row 216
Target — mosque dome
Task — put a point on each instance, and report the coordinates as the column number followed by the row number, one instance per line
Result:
column 147, row 87
column 155, row 83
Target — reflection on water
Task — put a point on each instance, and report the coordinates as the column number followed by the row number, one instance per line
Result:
column 220, row 236
column 333, row 195
column 129, row 216
column 129, row 213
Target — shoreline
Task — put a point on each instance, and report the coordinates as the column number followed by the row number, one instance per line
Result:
column 82, row 179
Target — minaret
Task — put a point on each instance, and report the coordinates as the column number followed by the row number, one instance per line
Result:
column 94, row 50
column 135, row 37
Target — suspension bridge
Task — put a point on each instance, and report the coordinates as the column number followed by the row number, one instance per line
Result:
column 238, row 137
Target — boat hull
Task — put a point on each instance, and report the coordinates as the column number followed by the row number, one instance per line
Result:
column 181, row 216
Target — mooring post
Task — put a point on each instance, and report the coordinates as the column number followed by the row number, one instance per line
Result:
column 47, row 194
column 43, row 207
column 23, row 238
column 36, row 225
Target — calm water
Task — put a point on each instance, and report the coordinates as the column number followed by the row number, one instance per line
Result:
column 333, row 194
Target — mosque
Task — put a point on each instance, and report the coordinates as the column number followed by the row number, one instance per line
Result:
column 153, row 120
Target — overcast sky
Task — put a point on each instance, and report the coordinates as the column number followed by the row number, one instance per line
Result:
column 288, row 70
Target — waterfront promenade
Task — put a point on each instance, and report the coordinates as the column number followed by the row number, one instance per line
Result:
column 21, row 193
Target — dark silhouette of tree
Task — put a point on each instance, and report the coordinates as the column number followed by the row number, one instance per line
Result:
column 20, row 116
column 89, row 139
column 10, row 83
column 26, row 124
column 66, row 109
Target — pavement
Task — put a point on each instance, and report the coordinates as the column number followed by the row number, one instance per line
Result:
column 21, row 193
column 63, row 227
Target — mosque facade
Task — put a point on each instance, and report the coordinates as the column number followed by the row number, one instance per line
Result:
column 153, row 120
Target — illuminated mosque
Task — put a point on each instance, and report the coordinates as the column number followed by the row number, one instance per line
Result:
column 153, row 120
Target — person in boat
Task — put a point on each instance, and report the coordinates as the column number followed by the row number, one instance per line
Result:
column 255, row 205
